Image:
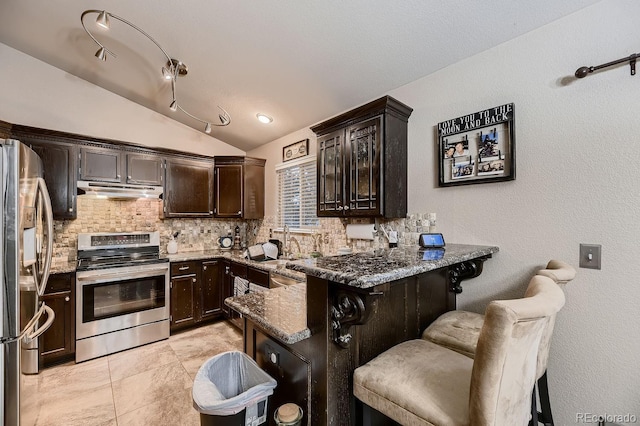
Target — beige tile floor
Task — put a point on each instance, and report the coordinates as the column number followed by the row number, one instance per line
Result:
column 149, row 385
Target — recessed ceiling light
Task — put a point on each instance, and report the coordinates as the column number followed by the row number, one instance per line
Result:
column 264, row 118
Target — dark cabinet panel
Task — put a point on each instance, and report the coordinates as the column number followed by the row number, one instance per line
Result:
column 228, row 190
column 188, row 188
column 330, row 183
column 239, row 187
column 211, row 289
column 258, row 276
column 363, row 154
column 196, row 292
column 185, row 280
column 182, row 300
column 5, row 129
column 291, row 371
column 100, row 164
column 362, row 161
column 57, row 344
column 144, row 169
column 59, row 161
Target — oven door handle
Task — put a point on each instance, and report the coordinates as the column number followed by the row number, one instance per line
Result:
column 102, row 277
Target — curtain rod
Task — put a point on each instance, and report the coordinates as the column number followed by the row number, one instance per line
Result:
column 585, row 71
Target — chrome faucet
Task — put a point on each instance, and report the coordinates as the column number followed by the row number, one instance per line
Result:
column 293, row 239
column 285, row 249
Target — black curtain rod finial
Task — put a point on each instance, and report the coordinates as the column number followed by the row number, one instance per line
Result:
column 582, row 72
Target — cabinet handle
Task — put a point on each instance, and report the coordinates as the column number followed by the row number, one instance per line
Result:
column 128, row 177
column 346, row 207
column 239, row 211
column 194, row 280
column 118, row 176
column 183, row 268
column 204, row 268
column 70, row 209
column 340, row 208
column 66, row 299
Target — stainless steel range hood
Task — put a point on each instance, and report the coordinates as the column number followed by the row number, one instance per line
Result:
column 118, row 190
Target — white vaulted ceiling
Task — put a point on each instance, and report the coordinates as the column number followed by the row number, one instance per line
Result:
column 297, row 61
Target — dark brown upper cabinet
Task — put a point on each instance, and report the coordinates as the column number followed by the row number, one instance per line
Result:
column 119, row 166
column 188, row 188
column 5, row 129
column 362, row 161
column 239, row 187
column 101, row 164
column 60, row 165
column 143, row 169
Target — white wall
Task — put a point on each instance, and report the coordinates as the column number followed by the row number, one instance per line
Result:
column 272, row 152
column 577, row 182
column 33, row 93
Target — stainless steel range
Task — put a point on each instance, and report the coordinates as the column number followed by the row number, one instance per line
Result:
column 122, row 293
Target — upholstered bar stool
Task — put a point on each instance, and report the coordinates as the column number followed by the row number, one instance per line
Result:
column 419, row 382
column 459, row 331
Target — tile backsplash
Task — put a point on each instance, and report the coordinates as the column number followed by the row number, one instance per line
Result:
column 106, row 215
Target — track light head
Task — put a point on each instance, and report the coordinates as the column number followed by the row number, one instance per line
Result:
column 103, row 20
column 207, row 128
column 224, row 119
column 166, row 74
column 173, row 106
column 101, row 54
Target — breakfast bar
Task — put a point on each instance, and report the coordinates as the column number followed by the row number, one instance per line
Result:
column 310, row 337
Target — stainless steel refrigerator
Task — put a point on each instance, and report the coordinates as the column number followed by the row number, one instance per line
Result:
column 27, row 242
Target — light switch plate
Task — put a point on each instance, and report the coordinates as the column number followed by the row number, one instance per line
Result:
column 590, row 256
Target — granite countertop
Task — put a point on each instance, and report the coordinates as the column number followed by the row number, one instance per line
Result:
column 61, row 267
column 237, row 256
column 366, row 270
column 281, row 311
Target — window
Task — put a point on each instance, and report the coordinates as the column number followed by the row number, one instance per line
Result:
column 297, row 194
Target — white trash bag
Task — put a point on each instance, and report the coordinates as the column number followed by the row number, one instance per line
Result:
column 228, row 383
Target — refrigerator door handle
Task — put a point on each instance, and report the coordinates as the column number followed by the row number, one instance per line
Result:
column 48, row 212
column 44, row 327
column 26, row 334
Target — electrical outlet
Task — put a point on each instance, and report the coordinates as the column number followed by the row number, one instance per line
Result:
column 590, row 256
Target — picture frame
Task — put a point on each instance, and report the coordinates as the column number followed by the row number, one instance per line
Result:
column 478, row 147
column 295, row 150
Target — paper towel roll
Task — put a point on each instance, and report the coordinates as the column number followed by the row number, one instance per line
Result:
column 360, row 231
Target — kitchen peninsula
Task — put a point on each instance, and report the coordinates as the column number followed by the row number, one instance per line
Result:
column 357, row 306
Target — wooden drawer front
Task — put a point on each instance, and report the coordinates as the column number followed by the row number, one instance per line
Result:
column 238, row 270
column 258, row 276
column 59, row 282
column 184, row 268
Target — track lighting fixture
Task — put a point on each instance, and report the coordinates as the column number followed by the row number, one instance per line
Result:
column 170, row 72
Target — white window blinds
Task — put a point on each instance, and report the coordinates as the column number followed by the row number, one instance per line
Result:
column 297, row 194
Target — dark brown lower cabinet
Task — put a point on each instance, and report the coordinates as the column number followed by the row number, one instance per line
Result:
column 290, row 370
column 196, row 292
column 210, row 290
column 58, row 343
column 183, row 301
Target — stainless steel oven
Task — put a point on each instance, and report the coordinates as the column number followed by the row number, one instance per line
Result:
column 122, row 291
